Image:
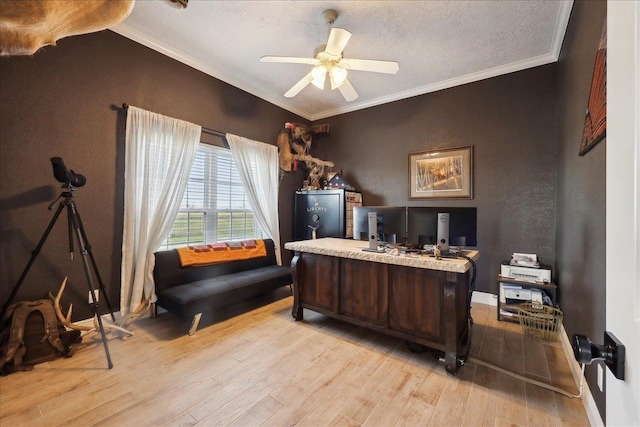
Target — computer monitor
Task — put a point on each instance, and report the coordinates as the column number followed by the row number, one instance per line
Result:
column 391, row 223
column 422, row 227
column 463, row 225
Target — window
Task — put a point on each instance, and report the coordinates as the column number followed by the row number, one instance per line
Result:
column 214, row 206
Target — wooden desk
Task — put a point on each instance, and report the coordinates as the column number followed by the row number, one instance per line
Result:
column 419, row 298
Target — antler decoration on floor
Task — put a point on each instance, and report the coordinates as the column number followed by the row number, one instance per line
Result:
column 66, row 320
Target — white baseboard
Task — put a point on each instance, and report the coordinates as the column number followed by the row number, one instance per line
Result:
column 587, row 398
column 484, row 298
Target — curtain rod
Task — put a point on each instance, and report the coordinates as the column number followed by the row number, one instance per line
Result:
column 204, row 129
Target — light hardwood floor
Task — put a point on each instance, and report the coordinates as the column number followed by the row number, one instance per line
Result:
column 263, row 368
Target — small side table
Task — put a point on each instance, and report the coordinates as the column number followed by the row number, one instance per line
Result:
column 549, row 288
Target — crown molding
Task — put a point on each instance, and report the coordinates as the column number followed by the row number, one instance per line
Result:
column 445, row 84
column 152, row 43
column 562, row 20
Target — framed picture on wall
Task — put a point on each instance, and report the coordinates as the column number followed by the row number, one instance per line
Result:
column 441, row 174
column 595, row 121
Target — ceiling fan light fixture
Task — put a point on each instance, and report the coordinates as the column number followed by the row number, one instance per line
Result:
column 328, row 59
column 319, row 74
column 338, row 75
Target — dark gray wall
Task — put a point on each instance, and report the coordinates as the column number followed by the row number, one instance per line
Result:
column 61, row 102
column 532, row 191
column 511, row 123
column 581, row 184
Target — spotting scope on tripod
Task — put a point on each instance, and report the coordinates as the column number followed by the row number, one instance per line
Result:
column 70, row 181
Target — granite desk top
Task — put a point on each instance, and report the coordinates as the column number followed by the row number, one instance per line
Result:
column 353, row 249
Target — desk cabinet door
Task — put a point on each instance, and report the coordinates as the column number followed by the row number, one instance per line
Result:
column 416, row 302
column 363, row 290
column 319, row 281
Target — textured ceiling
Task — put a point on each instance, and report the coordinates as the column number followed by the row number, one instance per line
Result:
column 438, row 44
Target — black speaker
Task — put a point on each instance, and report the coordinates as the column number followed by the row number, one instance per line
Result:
column 443, row 231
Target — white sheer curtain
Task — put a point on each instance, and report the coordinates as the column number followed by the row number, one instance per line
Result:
column 257, row 164
column 159, row 154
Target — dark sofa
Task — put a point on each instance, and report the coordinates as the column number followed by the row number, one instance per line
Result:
column 190, row 291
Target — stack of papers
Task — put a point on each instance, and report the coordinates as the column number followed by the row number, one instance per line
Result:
column 524, row 260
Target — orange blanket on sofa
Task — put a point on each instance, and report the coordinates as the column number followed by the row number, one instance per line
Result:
column 221, row 252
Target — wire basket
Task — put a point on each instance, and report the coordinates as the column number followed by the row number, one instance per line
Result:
column 540, row 321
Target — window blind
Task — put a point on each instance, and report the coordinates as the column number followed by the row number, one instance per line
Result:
column 214, row 206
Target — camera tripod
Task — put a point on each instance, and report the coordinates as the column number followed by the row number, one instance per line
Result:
column 74, row 224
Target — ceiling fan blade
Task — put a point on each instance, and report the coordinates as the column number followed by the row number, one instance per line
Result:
column 348, row 91
column 338, row 39
column 289, row 59
column 299, row 86
column 387, row 67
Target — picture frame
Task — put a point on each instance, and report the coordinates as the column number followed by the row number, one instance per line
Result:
column 595, row 121
column 441, row 174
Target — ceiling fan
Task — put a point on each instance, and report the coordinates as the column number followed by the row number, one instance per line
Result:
column 329, row 59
